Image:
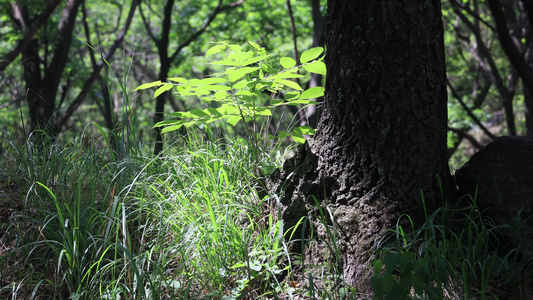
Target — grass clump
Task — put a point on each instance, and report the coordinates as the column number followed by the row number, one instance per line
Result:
column 457, row 253
column 188, row 224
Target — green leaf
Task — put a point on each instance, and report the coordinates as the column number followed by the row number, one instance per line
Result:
column 254, row 60
column 239, row 73
column 257, row 47
column 166, row 123
column 206, row 81
column 235, row 47
column 233, row 120
column 286, row 74
column 287, row 62
column 290, row 84
column 215, row 49
column 148, row 85
column 301, row 102
column 392, row 260
column 378, row 266
column 220, row 95
column 185, row 90
column 292, row 95
column 163, row 89
column 311, row 54
column 263, row 111
column 190, row 123
column 316, row 67
column 276, row 101
column 213, row 111
column 180, row 114
column 199, row 113
column 304, row 130
column 179, row 80
column 238, row 265
column 171, row 128
column 228, row 109
column 201, row 91
column 241, row 84
column 298, row 138
column 442, row 270
column 226, row 63
column 216, row 87
column 314, row 92
column 283, row 134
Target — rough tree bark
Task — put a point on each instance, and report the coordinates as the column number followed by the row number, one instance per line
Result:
column 382, row 135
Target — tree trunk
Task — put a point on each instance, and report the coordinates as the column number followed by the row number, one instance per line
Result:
column 382, row 136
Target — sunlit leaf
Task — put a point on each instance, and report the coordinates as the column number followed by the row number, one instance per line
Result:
column 314, row 92
column 292, row 95
column 239, row 73
column 301, row 102
column 287, row 62
column 235, row 47
column 287, row 74
column 201, row 91
column 304, row 130
column 290, row 84
column 276, row 101
column 163, row 89
column 226, row 63
column 220, row 95
column 316, row 67
column 311, row 54
column 190, row 123
column 298, row 138
column 166, row 123
column 214, row 50
column 185, row 91
column 171, row 128
column 263, row 111
column 241, row 84
column 179, row 80
column 254, row 60
column 216, row 87
column 233, row 120
column 206, row 81
column 148, row 85
column 257, row 47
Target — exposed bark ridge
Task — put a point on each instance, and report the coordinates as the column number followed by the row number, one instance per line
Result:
column 382, row 137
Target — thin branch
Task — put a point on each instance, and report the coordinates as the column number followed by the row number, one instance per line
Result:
column 510, row 49
column 147, row 26
column 293, row 31
column 469, row 112
column 193, row 37
column 484, row 54
column 463, row 134
column 473, row 14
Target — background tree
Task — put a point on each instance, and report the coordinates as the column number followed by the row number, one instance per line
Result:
column 382, row 137
column 488, row 55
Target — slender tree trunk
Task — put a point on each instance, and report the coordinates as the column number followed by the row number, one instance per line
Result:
column 319, row 40
column 382, row 137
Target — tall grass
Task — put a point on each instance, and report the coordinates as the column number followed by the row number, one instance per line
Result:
column 187, row 224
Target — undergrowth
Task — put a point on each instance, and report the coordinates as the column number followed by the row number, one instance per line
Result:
column 457, row 253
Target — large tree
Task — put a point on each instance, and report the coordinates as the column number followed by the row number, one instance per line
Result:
column 382, row 137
